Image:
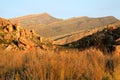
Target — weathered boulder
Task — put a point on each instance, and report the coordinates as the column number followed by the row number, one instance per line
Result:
column 22, row 33
column 26, row 42
column 7, row 37
column 4, row 22
column 17, row 27
column 28, row 34
column 44, row 47
column 9, row 28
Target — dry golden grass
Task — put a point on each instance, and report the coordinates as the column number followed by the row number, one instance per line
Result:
column 51, row 65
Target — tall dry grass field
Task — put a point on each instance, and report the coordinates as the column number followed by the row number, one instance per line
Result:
column 50, row 65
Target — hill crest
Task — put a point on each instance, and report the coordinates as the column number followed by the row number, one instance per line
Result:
column 28, row 20
column 59, row 30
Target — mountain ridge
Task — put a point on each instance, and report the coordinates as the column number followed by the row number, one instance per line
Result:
column 43, row 18
column 62, row 30
column 73, row 25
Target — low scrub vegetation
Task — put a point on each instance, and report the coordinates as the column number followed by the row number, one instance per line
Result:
column 90, row 64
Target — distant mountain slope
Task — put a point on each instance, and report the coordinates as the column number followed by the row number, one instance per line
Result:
column 77, row 25
column 51, row 27
column 71, row 38
column 34, row 19
column 71, row 26
column 106, row 39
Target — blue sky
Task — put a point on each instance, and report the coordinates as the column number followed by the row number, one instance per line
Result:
column 60, row 8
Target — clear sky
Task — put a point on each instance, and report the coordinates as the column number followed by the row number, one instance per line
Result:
column 60, row 8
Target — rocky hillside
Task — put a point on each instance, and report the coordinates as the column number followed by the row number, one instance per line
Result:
column 14, row 37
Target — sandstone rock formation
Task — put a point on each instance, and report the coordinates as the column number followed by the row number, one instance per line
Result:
column 15, row 37
column 9, row 28
column 25, row 42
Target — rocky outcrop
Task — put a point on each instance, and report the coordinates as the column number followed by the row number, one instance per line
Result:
column 4, row 22
column 25, row 42
column 15, row 37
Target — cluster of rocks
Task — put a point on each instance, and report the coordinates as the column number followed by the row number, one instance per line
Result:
column 15, row 37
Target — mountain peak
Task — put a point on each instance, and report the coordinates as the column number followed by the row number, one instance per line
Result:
column 45, row 14
column 43, row 18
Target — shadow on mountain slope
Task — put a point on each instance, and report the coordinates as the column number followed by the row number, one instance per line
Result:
column 105, row 40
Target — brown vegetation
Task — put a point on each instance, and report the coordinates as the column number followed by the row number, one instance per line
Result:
column 90, row 64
